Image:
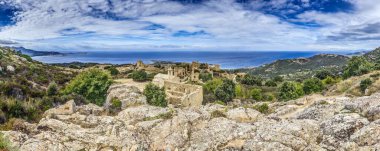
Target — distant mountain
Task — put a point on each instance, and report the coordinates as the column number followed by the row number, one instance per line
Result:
column 359, row 53
column 34, row 53
column 301, row 67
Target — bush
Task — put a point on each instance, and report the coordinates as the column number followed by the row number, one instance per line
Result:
column 357, row 65
column 278, row 79
column 269, row 97
column 205, row 77
column 263, row 108
column 92, row 84
column 271, row 83
column 139, row 76
column 5, row 144
column 256, row 94
column 290, row 90
column 226, row 91
column 52, row 89
column 364, row 84
column 210, row 86
column 155, row 95
column 28, row 58
column 312, row 85
column 330, row 80
column 252, row 80
column 113, row 71
column 323, row 74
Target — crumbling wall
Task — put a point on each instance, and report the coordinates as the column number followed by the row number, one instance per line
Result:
column 183, row 94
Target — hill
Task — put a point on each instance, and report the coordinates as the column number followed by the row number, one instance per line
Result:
column 300, row 67
column 373, row 55
column 34, row 53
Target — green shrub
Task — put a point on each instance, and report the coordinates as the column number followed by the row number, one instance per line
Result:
column 205, row 77
column 330, row 80
column 116, row 103
column 312, row 85
column 52, row 89
column 92, row 84
column 5, row 144
column 252, row 80
column 139, row 76
column 278, row 79
column 290, row 90
column 226, row 91
column 210, row 86
column 155, row 95
column 323, row 74
column 256, row 94
column 364, row 84
column 263, row 108
column 113, row 70
column 269, row 97
column 271, row 83
column 357, row 65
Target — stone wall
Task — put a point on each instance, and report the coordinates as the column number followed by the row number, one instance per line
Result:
column 183, row 95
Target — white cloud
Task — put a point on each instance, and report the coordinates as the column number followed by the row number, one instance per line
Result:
column 120, row 24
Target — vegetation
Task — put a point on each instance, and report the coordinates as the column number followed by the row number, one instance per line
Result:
column 52, row 89
column 113, row 71
column 257, row 94
column 92, row 84
column 155, row 95
column 205, row 77
column 364, row 84
column 252, row 80
column 5, row 144
column 323, row 74
column 271, row 83
column 226, row 91
column 357, row 66
column 263, row 108
column 290, row 90
column 217, row 113
column 312, row 85
column 139, row 76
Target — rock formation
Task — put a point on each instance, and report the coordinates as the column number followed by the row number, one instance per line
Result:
column 304, row 124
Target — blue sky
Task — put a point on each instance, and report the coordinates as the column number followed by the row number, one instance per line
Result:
column 219, row 25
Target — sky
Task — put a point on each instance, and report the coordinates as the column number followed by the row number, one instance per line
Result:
column 196, row 25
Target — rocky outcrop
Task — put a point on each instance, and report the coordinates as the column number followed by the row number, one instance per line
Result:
column 324, row 124
column 127, row 94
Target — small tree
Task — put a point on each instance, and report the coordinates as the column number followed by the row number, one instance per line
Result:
column 290, row 90
column 210, row 86
column 252, row 80
column 205, row 77
column 155, row 95
column 113, row 70
column 226, row 91
column 357, row 65
column 52, row 89
column 139, row 76
column 271, row 83
column 278, row 79
column 364, row 84
column 92, row 84
column 256, row 94
column 323, row 74
column 312, row 85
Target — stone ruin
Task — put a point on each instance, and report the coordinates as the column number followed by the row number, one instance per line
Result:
column 183, row 95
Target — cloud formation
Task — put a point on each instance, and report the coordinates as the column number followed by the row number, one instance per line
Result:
column 203, row 25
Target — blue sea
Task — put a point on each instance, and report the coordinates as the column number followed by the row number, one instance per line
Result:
column 227, row 60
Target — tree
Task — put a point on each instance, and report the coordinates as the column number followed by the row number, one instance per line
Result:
column 155, row 95
column 205, row 77
column 210, row 86
column 92, row 84
column 271, row 83
column 290, row 90
column 52, row 89
column 256, row 94
column 364, row 84
column 323, row 74
column 312, row 85
column 139, row 76
column 278, row 79
column 252, row 80
column 226, row 91
column 357, row 65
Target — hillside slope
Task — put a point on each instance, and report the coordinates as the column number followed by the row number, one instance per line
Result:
column 301, row 67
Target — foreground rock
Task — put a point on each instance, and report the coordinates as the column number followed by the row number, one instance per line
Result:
column 127, row 94
column 331, row 124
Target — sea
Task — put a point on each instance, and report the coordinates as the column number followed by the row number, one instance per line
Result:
column 227, row 59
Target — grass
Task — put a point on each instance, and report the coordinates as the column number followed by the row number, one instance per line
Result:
column 5, row 144
column 165, row 116
column 217, row 113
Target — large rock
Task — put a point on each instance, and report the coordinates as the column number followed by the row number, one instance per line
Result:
column 11, row 69
column 244, row 115
column 128, row 95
